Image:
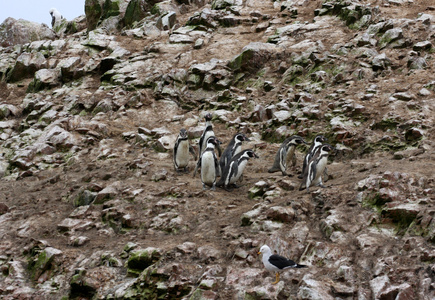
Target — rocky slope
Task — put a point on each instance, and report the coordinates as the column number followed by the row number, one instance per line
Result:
column 90, row 204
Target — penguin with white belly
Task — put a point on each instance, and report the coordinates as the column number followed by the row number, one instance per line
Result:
column 181, row 151
column 315, row 146
column 209, row 164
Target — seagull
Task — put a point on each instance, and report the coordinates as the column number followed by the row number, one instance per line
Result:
column 276, row 263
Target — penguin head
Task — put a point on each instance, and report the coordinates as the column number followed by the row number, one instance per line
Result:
column 213, row 140
column 298, row 140
column 183, row 133
column 320, row 139
column 208, row 117
column 241, row 137
column 251, row 153
column 326, row 148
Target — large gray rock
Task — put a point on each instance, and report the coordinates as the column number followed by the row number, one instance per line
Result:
column 107, row 13
column 44, row 79
column 26, row 66
column 137, row 10
column 15, row 32
column 253, row 56
column 68, row 68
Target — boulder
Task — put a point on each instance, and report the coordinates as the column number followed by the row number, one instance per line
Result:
column 18, row 32
column 68, row 68
column 253, row 57
column 44, row 79
column 105, row 13
column 390, row 37
column 141, row 259
column 93, row 11
column 136, row 11
column 26, row 66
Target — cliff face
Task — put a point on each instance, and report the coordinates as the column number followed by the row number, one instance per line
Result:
column 90, row 204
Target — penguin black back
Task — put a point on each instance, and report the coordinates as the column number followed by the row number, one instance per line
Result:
column 315, row 146
column 315, row 167
column 234, row 170
column 233, row 148
column 286, row 153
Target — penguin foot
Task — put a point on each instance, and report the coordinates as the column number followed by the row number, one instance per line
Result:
column 273, row 170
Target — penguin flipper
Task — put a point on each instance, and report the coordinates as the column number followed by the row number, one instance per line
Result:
column 219, row 149
column 198, row 165
column 192, row 151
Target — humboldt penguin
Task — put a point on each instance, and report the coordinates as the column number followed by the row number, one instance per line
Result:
column 286, row 153
column 233, row 148
column 181, row 151
column 209, row 164
column 235, row 167
column 277, row 263
column 315, row 146
column 208, row 132
column 315, row 168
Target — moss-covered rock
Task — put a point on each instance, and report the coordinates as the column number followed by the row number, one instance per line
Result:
column 136, row 11
column 110, row 9
column 141, row 259
column 44, row 79
column 221, row 4
column 43, row 261
column 84, row 197
column 153, row 284
column 82, row 287
column 93, row 11
column 253, row 57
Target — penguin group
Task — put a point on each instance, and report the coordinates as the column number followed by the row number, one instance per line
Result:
column 233, row 160
column 229, row 166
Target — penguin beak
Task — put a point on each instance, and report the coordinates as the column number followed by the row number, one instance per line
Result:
column 247, row 139
column 256, row 156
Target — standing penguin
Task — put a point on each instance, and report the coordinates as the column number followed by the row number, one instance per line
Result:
column 209, row 164
column 315, row 168
column 56, row 17
column 208, row 132
column 235, row 168
column 181, row 151
column 315, row 146
column 286, row 153
column 233, row 148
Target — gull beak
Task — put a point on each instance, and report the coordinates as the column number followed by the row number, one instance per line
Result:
column 259, row 253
